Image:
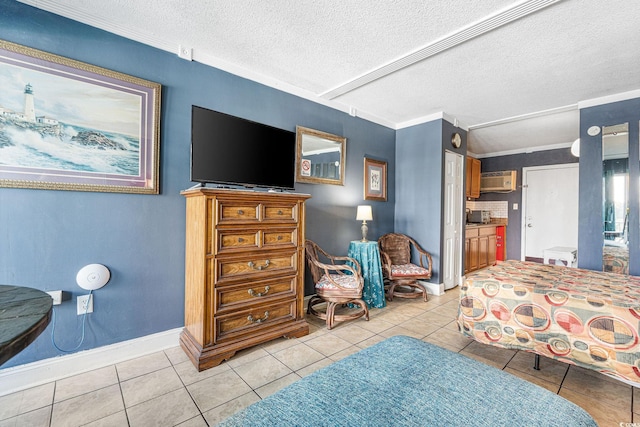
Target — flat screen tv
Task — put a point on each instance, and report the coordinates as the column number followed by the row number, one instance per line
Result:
column 228, row 150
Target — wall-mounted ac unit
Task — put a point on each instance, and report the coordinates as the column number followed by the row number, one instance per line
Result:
column 498, row 182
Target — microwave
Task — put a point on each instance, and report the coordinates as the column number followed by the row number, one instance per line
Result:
column 479, row 217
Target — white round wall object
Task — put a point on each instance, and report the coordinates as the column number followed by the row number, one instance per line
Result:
column 575, row 148
column 93, row 276
column 593, row 130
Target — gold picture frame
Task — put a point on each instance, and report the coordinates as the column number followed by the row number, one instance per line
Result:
column 320, row 157
column 68, row 125
column 375, row 180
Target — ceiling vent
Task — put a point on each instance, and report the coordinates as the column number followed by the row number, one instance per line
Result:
column 498, row 182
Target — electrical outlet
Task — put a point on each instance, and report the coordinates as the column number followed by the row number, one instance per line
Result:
column 85, row 304
column 57, row 297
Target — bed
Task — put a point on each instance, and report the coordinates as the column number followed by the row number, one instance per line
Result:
column 582, row 317
column 408, row 382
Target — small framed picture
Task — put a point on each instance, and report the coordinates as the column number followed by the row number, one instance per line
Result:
column 375, row 180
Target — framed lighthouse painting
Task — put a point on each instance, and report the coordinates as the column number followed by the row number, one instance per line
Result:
column 67, row 125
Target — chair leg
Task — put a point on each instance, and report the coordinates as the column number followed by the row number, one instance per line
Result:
column 417, row 289
column 330, row 316
column 331, row 309
column 364, row 307
column 424, row 291
column 390, row 292
column 312, row 301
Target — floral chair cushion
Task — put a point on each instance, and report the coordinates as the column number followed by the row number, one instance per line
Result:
column 407, row 270
column 343, row 280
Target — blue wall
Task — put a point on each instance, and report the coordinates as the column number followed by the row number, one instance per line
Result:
column 47, row 236
column 419, row 190
column 517, row 162
column 590, row 223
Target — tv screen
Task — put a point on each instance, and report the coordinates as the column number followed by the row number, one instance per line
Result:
column 234, row 151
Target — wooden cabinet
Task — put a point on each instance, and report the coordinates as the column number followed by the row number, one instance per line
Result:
column 480, row 247
column 472, row 182
column 467, row 259
column 244, row 269
column 483, row 251
column 473, row 253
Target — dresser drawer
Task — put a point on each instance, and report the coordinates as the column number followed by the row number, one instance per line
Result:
column 231, row 297
column 273, row 237
column 280, row 212
column 237, row 211
column 235, row 239
column 239, row 239
column 264, row 264
column 252, row 321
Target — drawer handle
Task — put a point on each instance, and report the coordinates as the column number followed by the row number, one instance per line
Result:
column 279, row 212
column 259, row 267
column 252, row 320
column 279, row 237
column 240, row 212
column 259, row 294
column 240, row 239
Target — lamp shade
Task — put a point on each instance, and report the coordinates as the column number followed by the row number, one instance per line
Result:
column 364, row 213
column 575, row 148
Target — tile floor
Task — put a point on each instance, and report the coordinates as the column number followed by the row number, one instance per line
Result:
column 164, row 389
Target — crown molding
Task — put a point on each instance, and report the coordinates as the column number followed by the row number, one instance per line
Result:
column 624, row 96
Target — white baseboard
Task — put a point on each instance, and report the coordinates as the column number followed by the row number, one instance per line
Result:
column 433, row 288
column 29, row 375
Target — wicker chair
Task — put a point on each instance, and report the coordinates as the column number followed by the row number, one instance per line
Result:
column 399, row 273
column 336, row 284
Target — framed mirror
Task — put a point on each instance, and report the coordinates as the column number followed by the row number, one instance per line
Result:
column 320, row 157
column 615, row 198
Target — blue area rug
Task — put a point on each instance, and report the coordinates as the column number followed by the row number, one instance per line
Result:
column 406, row 382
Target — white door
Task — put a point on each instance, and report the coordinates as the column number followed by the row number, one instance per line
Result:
column 453, row 198
column 550, row 208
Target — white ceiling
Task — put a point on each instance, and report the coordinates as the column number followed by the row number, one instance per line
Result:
column 512, row 72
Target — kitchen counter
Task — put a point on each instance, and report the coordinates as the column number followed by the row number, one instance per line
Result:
column 494, row 222
column 483, row 244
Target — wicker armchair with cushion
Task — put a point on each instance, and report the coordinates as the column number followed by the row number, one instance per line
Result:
column 399, row 272
column 338, row 281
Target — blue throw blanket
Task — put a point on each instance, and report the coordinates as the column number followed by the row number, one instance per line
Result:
column 407, row 382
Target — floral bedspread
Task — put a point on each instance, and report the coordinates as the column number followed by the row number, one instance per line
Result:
column 582, row 317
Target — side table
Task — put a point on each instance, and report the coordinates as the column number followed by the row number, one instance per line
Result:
column 368, row 256
column 24, row 314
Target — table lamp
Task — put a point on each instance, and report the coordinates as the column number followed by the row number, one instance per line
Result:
column 364, row 214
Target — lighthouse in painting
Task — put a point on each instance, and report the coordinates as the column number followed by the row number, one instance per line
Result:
column 29, row 107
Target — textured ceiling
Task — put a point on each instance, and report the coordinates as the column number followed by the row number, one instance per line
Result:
column 512, row 72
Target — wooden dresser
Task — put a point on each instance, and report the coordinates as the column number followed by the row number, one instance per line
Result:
column 244, row 271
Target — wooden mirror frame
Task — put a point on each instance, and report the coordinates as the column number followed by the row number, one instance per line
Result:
column 302, row 134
